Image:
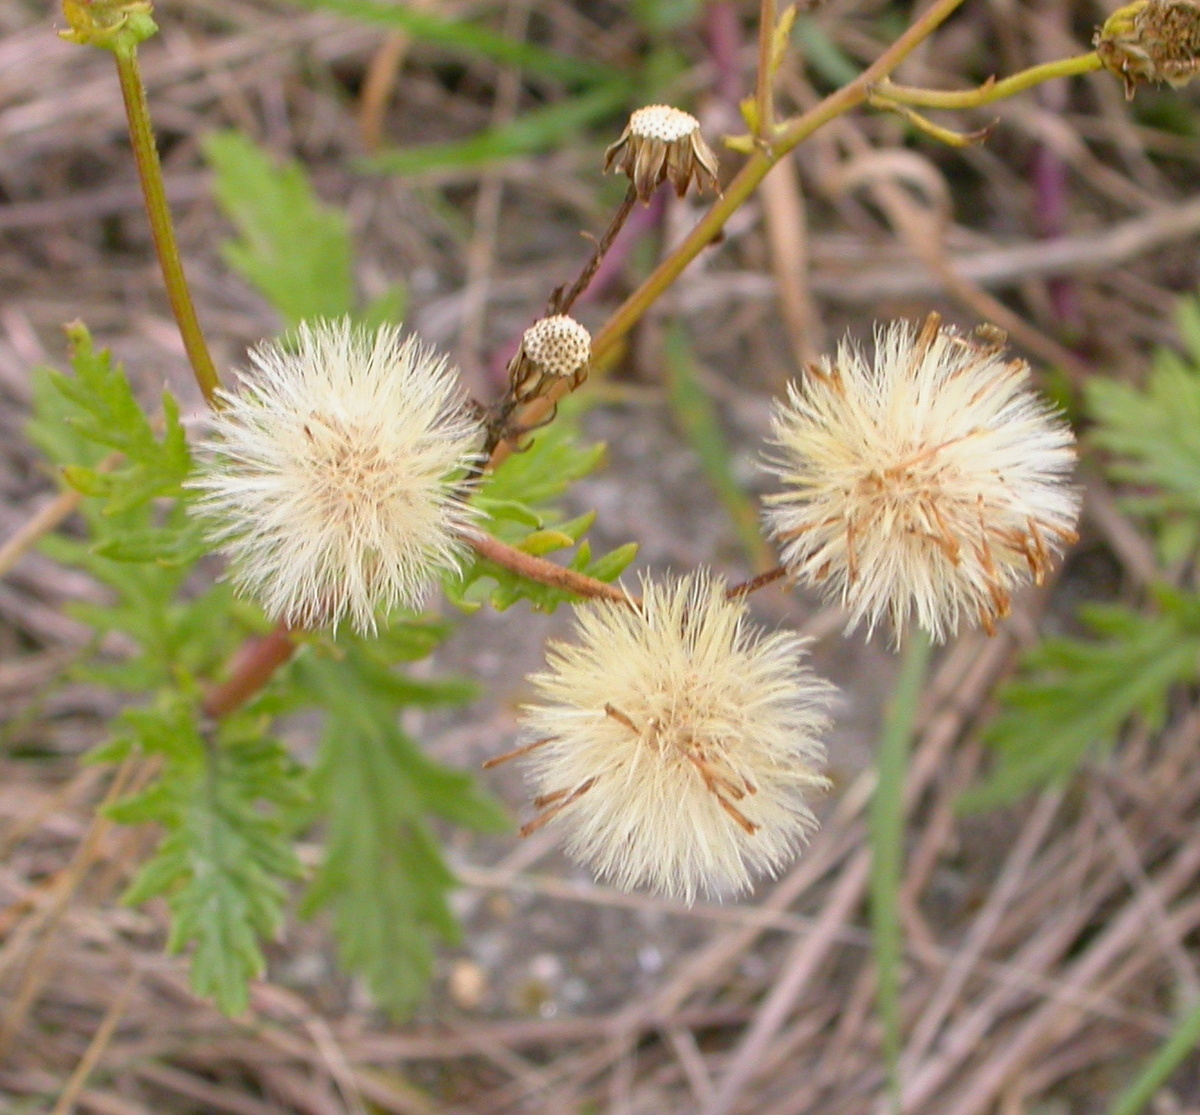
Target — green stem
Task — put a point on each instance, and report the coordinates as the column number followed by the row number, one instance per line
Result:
column 1181, row 1044
column 145, row 151
column 764, row 88
column 755, row 170
column 887, row 844
column 992, row 90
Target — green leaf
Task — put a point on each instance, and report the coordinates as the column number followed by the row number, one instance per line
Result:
column 541, row 129
column 383, row 878
column 520, row 501
column 295, row 250
column 81, row 416
column 1074, row 696
column 697, row 419
column 468, row 37
column 227, row 854
column 1155, row 432
column 1178, row 1047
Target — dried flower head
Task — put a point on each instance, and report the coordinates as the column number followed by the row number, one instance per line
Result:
column 931, row 482
column 1151, row 40
column 552, row 348
column 329, row 478
column 675, row 741
column 663, row 144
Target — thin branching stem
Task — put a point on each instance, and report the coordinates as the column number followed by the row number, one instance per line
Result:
column 991, row 91
column 546, row 572
column 145, row 151
column 764, row 88
column 764, row 157
column 253, row 666
column 562, row 302
column 755, row 583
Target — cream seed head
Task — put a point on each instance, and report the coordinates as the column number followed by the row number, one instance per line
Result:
column 927, row 483
column 329, row 476
column 663, row 144
column 674, row 742
column 557, row 346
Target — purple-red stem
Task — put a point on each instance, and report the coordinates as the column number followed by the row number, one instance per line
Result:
column 252, row 667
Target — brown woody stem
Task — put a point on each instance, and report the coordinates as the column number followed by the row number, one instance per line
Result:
column 562, row 301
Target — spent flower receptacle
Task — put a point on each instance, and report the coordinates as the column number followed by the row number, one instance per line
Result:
column 1152, row 41
column 553, row 348
column 111, row 24
column 663, row 144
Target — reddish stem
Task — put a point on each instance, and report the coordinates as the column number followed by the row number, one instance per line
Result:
column 252, row 667
column 755, row 583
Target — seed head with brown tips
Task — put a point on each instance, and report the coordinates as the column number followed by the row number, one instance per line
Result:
column 674, row 742
column 927, row 483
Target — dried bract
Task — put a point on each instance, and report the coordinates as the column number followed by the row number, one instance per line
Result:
column 675, row 742
column 663, row 144
column 329, row 478
column 1152, row 41
column 928, row 483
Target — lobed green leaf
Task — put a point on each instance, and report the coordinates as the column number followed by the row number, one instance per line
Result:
column 1074, row 696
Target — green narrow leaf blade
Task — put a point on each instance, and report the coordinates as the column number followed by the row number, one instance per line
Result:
column 698, row 421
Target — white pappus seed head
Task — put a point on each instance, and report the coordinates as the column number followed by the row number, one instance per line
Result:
column 557, row 345
column 328, row 478
column 675, row 742
column 928, row 483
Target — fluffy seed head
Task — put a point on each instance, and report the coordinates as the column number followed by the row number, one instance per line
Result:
column 930, row 482
column 328, row 478
column 1152, row 41
column 557, row 346
column 663, row 144
column 674, row 741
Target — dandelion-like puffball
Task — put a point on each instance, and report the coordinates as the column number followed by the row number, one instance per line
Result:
column 929, row 483
column 674, row 741
column 329, row 476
